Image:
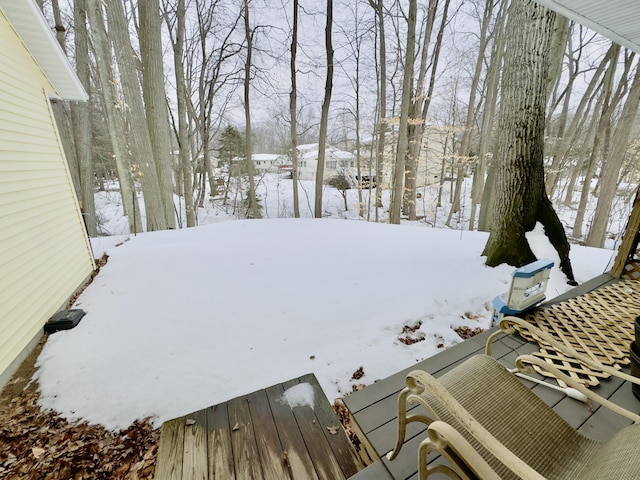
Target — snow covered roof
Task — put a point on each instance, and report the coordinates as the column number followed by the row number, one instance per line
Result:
column 342, row 155
column 31, row 26
column 265, row 156
column 618, row 20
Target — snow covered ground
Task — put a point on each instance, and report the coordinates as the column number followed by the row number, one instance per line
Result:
column 181, row 320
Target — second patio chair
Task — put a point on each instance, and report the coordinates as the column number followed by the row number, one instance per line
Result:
column 487, row 424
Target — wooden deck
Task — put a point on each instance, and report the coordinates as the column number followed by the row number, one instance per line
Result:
column 373, row 409
column 259, row 436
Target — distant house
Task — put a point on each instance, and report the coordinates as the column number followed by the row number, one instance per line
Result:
column 335, row 161
column 45, row 255
column 267, row 162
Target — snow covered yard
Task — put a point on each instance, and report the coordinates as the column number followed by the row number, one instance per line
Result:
column 181, row 320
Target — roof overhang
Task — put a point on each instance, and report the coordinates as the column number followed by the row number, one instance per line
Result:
column 31, row 26
column 618, row 20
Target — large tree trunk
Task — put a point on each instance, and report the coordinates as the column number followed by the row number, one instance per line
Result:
column 403, row 127
column 520, row 197
column 155, row 101
column 115, row 121
column 81, row 116
column 324, row 119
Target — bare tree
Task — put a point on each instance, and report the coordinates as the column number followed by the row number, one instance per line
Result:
column 253, row 202
column 403, row 127
column 293, row 96
column 325, row 111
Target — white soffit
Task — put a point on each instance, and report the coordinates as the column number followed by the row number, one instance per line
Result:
column 618, row 20
column 38, row 37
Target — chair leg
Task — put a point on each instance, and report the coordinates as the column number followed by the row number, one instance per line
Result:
column 402, row 423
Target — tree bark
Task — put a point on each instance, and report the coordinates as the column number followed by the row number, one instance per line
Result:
column 520, row 197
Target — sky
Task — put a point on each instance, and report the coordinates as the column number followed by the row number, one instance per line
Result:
column 181, row 320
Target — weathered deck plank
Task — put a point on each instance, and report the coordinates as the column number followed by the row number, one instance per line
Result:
column 219, row 450
column 272, row 457
column 243, row 442
column 259, row 436
column 298, row 458
column 195, row 447
column 171, row 450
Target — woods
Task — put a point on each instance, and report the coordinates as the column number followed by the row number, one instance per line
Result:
column 418, row 93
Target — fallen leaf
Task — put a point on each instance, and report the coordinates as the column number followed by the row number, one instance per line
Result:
column 333, row 429
column 37, row 452
column 190, row 421
column 312, row 357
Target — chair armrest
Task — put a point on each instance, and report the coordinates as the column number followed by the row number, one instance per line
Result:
column 418, row 381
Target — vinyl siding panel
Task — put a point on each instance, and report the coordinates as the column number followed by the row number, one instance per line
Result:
column 44, row 253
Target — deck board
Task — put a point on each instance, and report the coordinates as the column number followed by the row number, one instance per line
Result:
column 258, row 436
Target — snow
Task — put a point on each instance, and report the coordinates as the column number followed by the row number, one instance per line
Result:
column 181, row 320
column 299, row 396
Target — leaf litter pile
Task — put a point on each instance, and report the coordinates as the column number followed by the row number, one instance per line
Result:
column 37, row 444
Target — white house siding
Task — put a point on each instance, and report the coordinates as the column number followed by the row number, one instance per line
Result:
column 44, row 252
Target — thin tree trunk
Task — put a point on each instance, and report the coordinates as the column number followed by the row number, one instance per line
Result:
column 382, row 101
column 253, row 201
column 183, row 127
column 405, row 104
column 324, row 119
column 293, row 112
column 81, row 116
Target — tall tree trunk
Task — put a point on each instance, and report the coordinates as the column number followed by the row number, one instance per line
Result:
column 139, row 140
column 483, row 190
column 382, row 101
column 183, row 127
column 420, row 107
column 520, row 197
column 115, row 121
column 293, row 112
column 612, row 164
column 324, row 118
column 253, row 201
column 405, row 104
column 81, row 116
column 155, row 101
